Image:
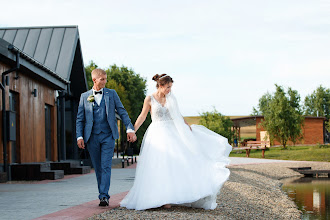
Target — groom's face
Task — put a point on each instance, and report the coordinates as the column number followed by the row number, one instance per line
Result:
column 99, row 81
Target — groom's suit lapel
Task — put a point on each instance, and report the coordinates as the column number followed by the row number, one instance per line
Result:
column 90, row 104
column 106, row 97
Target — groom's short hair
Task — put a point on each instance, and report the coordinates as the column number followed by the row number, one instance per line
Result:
column 98, row 72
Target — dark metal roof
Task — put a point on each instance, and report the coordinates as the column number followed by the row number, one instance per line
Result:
column 245, row 121
column 55, row 49
column 30, row 67
column 251, row 120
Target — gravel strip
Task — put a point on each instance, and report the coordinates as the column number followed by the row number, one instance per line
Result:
column 252, row 192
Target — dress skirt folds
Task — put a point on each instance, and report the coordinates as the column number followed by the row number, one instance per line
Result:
column 177, row 165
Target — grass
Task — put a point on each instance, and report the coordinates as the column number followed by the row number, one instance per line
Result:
column 299, row 153
column 246, row 132
column 195, row 119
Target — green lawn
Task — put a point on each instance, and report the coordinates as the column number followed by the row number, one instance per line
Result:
column 299, row 153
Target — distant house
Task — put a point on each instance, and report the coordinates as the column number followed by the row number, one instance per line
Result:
column 314, row 131
column 41, row 96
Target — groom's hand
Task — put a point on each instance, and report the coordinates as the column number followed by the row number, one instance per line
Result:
column 81, row 143
column 134, row 138
column 131, row 137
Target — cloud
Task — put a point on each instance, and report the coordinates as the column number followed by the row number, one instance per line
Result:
column 307, row 70
column 225, row 54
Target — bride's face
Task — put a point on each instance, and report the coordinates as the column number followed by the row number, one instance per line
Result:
column 166, row 88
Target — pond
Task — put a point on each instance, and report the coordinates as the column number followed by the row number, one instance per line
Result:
column 312, row 196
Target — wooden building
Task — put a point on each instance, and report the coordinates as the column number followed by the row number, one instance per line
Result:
column 42, row 78
column 314, row 131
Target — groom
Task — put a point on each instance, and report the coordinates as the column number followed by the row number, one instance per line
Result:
column 97, row 126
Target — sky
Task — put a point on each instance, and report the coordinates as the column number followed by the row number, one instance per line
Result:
column 222, row 54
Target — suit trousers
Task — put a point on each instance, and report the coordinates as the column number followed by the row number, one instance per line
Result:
column 100, row 148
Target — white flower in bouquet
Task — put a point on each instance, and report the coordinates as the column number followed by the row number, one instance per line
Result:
column 91, row 98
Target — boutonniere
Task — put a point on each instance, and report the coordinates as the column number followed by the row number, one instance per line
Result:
column 91, row 98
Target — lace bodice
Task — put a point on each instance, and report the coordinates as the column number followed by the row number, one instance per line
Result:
column 158, row 112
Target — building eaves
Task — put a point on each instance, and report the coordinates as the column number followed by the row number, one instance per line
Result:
column 38, row 27
column 8, row 57
column 36, row 63
column 52, row 46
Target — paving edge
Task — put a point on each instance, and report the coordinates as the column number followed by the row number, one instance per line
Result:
column 85, row 210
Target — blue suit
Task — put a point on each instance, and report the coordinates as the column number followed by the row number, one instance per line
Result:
column 97, row 124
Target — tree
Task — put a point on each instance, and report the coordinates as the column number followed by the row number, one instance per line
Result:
column 283, row 118
column 135, row 92
column 88, row 70
column 318, row 104
column 218, row 123
column 120, row 89
column 134, row 85
column 131, row 89
column 263, row 104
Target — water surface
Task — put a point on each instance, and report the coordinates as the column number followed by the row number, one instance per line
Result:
column 312, row 196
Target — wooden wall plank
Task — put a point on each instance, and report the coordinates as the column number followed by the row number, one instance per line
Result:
column 31, row 117
column 2, row 69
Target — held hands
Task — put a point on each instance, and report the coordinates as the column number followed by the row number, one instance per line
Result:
column 81, row 143
column 131, row 137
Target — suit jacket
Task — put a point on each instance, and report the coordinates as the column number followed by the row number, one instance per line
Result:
column 84, row 123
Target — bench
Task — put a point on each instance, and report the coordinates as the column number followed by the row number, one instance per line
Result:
column 251, row 145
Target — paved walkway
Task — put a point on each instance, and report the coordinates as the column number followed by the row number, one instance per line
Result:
column 74, row 197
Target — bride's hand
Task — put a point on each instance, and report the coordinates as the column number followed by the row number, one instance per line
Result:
column 187, row 124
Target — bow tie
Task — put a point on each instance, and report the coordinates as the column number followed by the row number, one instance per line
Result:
column 98, row 92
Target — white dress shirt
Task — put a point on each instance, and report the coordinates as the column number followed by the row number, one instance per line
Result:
column 98, row 97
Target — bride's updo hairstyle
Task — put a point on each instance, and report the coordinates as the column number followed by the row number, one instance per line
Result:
column 162, row 79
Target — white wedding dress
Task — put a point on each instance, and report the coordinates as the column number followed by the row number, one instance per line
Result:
column 177, row 165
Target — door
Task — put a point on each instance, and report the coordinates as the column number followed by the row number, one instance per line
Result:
column 14, row 145
column 264, row 136
column 48, row 133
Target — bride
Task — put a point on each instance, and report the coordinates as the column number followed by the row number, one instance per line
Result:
column 178, row 164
